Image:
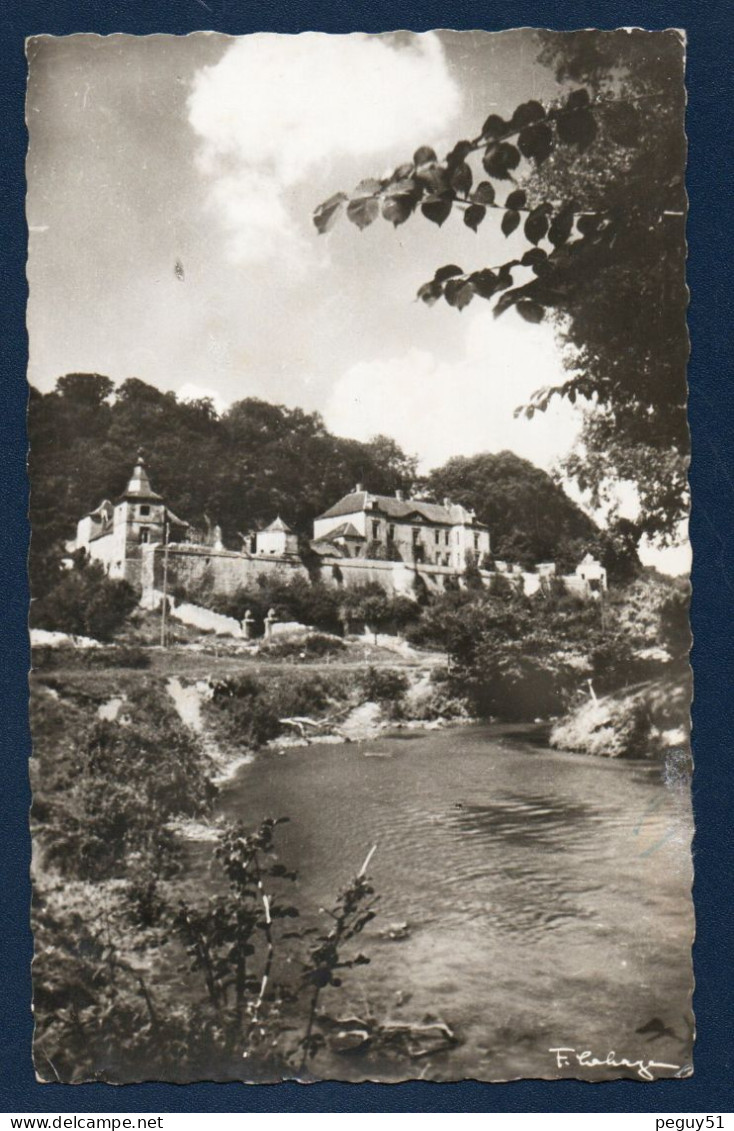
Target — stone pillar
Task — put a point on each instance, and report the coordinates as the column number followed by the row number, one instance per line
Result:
column 247, row 625
column 269, row 621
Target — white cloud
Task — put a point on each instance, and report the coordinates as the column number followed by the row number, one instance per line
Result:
column 439, row 409
column 275, row 108
column 192, row 392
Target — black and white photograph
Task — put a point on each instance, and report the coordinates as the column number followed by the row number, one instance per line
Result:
column 359, row 565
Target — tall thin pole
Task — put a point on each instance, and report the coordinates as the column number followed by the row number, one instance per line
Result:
column 164, row 602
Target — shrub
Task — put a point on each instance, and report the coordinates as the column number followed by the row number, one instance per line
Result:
column 85, row 603
column 384, row 685
column 312, row 647
column 128, row 782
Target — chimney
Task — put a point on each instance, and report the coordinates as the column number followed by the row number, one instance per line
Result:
column 358, row 487
column 399, row 496
column 446, row 501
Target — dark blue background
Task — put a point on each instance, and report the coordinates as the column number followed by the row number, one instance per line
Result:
column 708, row 25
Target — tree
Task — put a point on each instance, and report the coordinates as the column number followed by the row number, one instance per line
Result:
column 595, row 183
column 528, row 514
column 241, row 470
column 85, row 602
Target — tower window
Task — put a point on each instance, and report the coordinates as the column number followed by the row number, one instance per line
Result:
column 145, row 534
column 145, row 510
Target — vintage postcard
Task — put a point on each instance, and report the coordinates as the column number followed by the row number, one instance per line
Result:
column 359, row 565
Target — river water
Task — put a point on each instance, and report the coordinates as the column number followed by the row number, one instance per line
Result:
column 546, row 894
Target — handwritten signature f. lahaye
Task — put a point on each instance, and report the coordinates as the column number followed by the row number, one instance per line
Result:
column 566, row 1056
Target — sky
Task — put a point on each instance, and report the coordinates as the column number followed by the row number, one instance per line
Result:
column 171, row 183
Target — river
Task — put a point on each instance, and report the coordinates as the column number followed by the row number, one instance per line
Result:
column 546, row 894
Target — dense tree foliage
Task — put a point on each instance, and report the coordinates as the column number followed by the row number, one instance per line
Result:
column 530, row 518
column 84, row 602
column 238, row 470
column 594, row 182
column 241, row 469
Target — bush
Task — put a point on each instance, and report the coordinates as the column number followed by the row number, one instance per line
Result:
column 312, row 647
column 85, row 603
column 383, row 685
column 90, row 659
column 248, row 710
column 124, row 785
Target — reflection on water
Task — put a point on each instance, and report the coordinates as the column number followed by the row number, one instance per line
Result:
column 547, row 894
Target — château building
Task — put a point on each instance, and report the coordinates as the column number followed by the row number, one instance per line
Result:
column 406, row 545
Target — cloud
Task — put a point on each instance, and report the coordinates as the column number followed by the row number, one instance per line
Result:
column 192, row 392
column 438, row 408
column 276, row 108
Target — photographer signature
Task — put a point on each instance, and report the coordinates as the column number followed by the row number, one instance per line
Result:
column 567, row 1056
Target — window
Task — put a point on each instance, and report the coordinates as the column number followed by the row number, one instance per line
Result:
column 476, row 541
column 416, row 535
column 145, row 534
column 437, row 536
column 375, row 530
column 391, row 532
column 144, row 510
column 446, row 537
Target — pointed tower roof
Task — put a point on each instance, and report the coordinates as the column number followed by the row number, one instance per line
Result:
column 278, row 524
column 139, row 485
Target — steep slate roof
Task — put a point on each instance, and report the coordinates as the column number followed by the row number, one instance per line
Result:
column 279, row 525
column 139, row 485
column 388, row 505
column 322, row 546
column 346, row 530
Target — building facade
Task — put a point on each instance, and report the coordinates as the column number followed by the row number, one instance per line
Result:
column 116, row 534
column 393, row 528
column 397, row 542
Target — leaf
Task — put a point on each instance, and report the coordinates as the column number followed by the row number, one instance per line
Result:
column 536, row 225
column 516, row 199
column 363, row 211
column 484, row 282
column 447, row 272
column 474, row 215
column 398, row 207
column 530, row 311
column 367, row 188
column 402, row 172
column 623, row 123
column 429, row 293
column 424, row 155
column 510, row 221
column 436, row 210
column 533, row 257
column 536, row 141
column 459, row 153
column 588, row 224
column 504, row 277
column 484, row 193
column 435, row 177
column 494, row 126
column 561, row 227
column 326, row 214
column 577, row 128
column 577, row 99
column 526, row 113
column 461, row 179
column 458, row 293
column 499, row 159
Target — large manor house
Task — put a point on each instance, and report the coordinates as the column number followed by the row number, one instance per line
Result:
column 403, row 544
